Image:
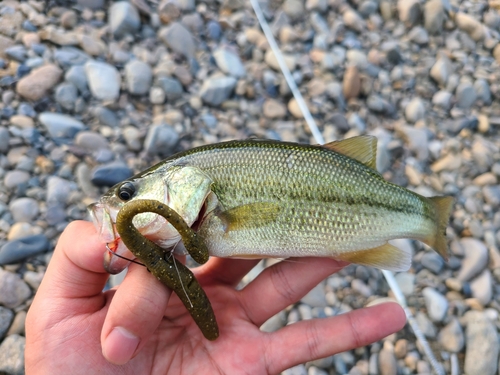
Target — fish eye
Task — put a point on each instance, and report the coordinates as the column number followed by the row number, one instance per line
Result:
column 126, row 191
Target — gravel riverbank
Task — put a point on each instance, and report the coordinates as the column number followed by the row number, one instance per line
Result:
column 93, row 91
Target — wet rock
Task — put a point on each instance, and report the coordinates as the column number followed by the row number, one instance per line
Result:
column 179, row 39
column 39, row 82
column 123, row 19
column 482, row 347
column 14, row 290
column 110, row 174
column 60, row 126
column 229, row 62
column 12, row 355
column 161, row 140
column 451, row 337
column 217, row 89
column 103, row 80
column 138, row 76
column 436, row 303
column 476, row 258
column 17, row 250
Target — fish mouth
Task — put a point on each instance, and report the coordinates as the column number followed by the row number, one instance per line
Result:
column 117, row 256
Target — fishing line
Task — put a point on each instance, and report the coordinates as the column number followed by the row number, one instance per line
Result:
column 171, row 254
column 389, row 276
column 121, row 256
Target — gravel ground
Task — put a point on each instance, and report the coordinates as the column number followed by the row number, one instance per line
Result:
column 93, row 91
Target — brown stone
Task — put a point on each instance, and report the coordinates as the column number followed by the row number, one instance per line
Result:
column 352, row 83
column 37, row 84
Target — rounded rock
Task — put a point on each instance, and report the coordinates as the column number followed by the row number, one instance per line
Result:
column 436, row 303
column 39, row 82
column 16, row 250
column 14, row 291
column 110, row 174
column 103, row 79
column 123, row 18
column 138, row 76
column 415, row 110
column 24, row 209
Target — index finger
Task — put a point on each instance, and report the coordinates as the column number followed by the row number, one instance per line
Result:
column 76, row 269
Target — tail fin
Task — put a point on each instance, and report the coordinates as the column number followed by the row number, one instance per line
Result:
column 443, row 207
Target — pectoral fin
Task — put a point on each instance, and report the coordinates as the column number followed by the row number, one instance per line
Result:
column 386, row 257
column 251, row 215
column 362, row 148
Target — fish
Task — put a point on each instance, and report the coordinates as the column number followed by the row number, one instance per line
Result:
column 269, row 199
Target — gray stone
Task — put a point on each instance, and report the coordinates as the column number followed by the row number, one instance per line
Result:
column 60, row 126
column 91, row 141
column 376, row 103
column 34, row 279
column 123, row 19
column 451, row 337
column 482, row 347
column 6, row 317
column 229, row 62
column 476, row 258
column 15, row 178
column 58, row 190
column 427, row 327
column 103, row 80
column 441, row 70
column 172, row 87
column 161, row 140
column 293, row 8
column 436, row 303
column 433, row 262
column 406, row 282
column 179, row 39
column 482, row 287
column 410, row 12
column 492, row 195
column 16, row 250
column 24, row 209
column 14, row 291
column 66, row 95
column 106, row 116
column 482, row 89
column 4, row 140
column 296, row 370
column 419, row 35
column 367, row 8
column 273, row 323
column 217, row 89
column 466, row 95
column 76, row 75
column 70, row 56
column 12, row 355
column 110, row 174
column 442, row 99
column 138, row 76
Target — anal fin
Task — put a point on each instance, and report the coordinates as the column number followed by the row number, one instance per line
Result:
column 386, row 257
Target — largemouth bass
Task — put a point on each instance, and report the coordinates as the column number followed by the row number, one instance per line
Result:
column 259, row 198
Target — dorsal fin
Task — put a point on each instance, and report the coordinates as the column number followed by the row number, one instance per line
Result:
column 363, row 148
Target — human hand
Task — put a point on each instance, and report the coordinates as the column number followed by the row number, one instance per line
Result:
column 73, row 327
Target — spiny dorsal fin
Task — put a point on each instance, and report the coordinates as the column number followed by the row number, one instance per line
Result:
column 250, row 215
column 363, row 148
column 386, row 257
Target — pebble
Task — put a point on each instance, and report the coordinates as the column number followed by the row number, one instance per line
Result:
column 409, row 12
column 351, row 84
column 66, row 95
column 387, row 361
column 12, row 355
column 354, row 21
column 441, row 70
column 19, row 249
column 6, row 317
column 76, row 76
column 110, row 174
column 39, row 82
column 217, row 89
column 451, row 337
column 406, row 282
column 293, row 9
column 229, row 62
column 434, row 16
column 4, row 140
column 171, row 87
column 466, row 95
column 470, row 25
column 160, row 140
column 15, row 178
column 60, row 126
column 315, row 297
column 179, row 39
column 433, row 262
column 476, row 258
column 482, row 345
column 123, row 19
column 415, row 110
column 436, row 303
column 482, row 287
column 103, row 80
column 24, row 209
column 14, row 290
column 442, row 99
column 58, row 190
column 138, row 76
column 273, row 109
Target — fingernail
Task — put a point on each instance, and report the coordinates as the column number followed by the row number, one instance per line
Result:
column 120, row 346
